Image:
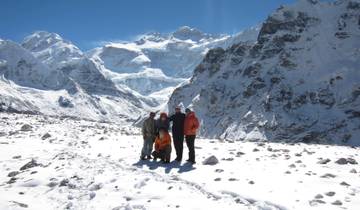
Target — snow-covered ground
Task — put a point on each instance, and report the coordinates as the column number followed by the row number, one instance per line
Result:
column 91, row 165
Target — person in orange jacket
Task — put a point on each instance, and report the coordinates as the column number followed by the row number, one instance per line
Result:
column 163, row 146
column 191, row 125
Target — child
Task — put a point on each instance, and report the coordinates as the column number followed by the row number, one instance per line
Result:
column 163, row 146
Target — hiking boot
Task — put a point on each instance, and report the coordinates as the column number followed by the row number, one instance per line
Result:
column 148, row 157
column 191, row 161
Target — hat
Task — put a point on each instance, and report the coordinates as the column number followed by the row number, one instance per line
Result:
column 187, row 110
column 163, row 114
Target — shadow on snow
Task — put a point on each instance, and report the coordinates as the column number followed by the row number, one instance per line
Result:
column 152, row 165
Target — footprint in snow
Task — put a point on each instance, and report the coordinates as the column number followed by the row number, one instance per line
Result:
column 142, row 183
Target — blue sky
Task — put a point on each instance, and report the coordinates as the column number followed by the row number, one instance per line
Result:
column 88, row 22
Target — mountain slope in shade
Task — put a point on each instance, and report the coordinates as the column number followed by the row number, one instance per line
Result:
column 299, row 82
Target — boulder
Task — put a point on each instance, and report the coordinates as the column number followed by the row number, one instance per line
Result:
column 65, row 102
column 324, row 161
column 344, row 161
column 330, row 194
column 26, row 127
column 212, row 160
column 45, row 136
column 337, row 203
column 30, row 164
column 13, row 173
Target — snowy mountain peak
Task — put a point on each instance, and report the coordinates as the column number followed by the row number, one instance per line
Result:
column 41, row 40
column 20, row 66
column 186, row 33
column 51, row 48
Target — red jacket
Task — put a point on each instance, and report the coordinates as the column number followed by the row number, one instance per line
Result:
column 161, row 144
column 191, row 124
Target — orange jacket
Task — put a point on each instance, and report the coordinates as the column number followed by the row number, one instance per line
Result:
column 191, row 124
column 161, row 144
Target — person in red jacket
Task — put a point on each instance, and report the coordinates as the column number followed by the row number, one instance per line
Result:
column 191, row 125
column 162, row 146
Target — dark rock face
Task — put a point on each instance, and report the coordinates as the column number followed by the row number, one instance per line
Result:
column 65, row 102
column 253, row 70
column 326, row 97
column 294, row 23
column 13, row 173
column 353, row 5
column 30, row 164
column 215, row 57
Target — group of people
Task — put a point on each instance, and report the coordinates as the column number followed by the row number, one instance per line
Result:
column 157, row 132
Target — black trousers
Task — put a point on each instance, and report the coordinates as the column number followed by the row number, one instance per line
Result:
column 190, row 142
column 163, row 154
column 179, row 145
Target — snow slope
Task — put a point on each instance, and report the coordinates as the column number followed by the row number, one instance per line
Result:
column 92, row 165
column 299, row 82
